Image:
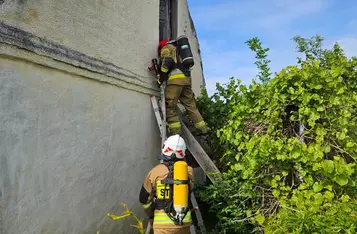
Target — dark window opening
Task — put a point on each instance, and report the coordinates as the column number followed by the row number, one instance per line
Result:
column 173, row 18
column 164, row 20
column 168, row 19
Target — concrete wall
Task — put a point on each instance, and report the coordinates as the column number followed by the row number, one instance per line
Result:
column 120, row 32
column 77, row 131
column 71, row 151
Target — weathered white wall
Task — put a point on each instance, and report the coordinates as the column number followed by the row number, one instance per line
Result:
column 71, row 151
column 77, row 131
column 186, row 27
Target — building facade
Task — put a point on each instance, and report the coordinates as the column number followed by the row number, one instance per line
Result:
column 77, row 130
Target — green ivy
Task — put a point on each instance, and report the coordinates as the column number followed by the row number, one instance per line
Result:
column 288, row 145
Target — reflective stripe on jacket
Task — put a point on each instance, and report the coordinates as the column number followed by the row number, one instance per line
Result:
column 161, row 218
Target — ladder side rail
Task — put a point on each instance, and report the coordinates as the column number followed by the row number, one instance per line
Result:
column 198, row 213
column 148, row 228
column 163, row 110
column 198, row 153
column 192, row 229
column 156, row 109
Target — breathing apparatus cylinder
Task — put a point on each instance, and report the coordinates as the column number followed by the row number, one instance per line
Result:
column 180, row 194
column 185, row 52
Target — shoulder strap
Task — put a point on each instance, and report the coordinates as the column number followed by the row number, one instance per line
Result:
column 170, row 176
column 171, row 181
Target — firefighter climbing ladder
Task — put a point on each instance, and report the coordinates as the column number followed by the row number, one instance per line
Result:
column 160, row 113
column 193, row 146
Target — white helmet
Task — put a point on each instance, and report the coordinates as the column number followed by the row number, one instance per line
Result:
column 174, row 145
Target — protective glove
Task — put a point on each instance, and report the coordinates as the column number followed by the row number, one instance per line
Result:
column 162, row 77
column 158, row 82
column 149, row 210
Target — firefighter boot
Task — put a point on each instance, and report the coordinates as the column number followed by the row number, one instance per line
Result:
column 202, row 129
column 174, row 128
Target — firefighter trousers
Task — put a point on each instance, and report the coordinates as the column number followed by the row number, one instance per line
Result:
column 174, row 93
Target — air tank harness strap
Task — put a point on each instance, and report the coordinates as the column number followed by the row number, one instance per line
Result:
column 171, row 181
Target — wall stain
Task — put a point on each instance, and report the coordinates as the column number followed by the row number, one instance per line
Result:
column 20, row 10
column 5, row 178
column 101, row 2
column 32, row 15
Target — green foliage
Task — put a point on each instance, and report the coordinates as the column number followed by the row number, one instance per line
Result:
column 216, row 110
column 290, row 144
column 128, row 213
column 315, row 212
column 261, row 56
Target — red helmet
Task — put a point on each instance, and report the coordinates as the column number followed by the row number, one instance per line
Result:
column 162, row 44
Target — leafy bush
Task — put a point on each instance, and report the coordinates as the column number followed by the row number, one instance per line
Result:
column 289, row 145
column 128, row 213
column 216, row 110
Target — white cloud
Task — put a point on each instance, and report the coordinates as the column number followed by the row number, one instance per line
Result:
column 211, row 83
column 232, row 63
column 255, row 14
column 348, row 42
column 349, row 45
column 222, row 80
column 352, row 26
column 245, row 74
column 286, row 11
column 219, row 65
column 236, row 19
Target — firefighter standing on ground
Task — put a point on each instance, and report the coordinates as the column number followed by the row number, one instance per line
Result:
column 176, row 70
column 166, row 189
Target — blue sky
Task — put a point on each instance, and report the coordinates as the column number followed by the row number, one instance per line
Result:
column 224, row 25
